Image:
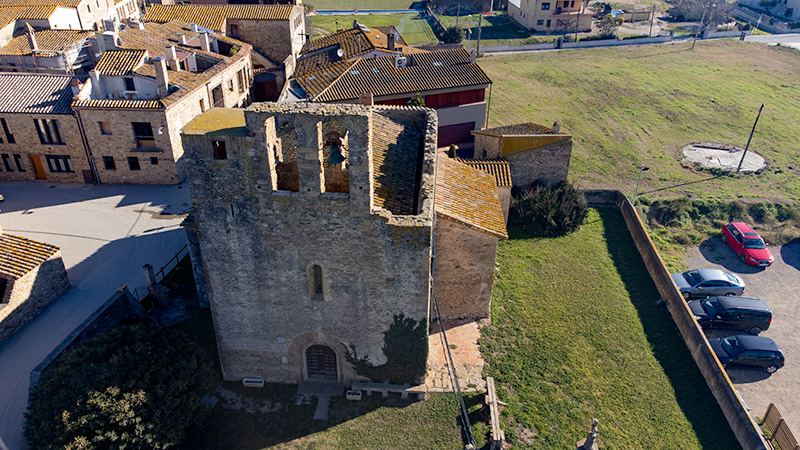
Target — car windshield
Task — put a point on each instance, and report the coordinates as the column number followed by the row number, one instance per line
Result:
column 693, row 277
column 730, row 277
column 711, row 306
column 731, row 345
column 754, row 243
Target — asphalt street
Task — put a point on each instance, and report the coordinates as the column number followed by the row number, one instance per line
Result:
column 106, row 234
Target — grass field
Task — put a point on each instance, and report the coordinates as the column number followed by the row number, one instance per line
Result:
column 348, row 5
column 414, row 30
column 642, row 105
column 576, row 334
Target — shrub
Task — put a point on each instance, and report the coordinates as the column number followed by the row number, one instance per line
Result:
column 137, row 386
column 452, row 36
column 763, row 212
column 548, row 210
column 416, row 100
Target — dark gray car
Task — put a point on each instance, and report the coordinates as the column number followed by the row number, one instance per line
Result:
column 707, row 282
column 743, row 313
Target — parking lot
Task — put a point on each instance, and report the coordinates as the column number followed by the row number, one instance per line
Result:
column 779, row 286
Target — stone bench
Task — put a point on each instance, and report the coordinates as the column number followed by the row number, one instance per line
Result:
column 385, row 388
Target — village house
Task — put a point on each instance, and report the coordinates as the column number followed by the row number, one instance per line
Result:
column 349, row 67
column 65, row 52
column 276, row 33
column 72, row 14
column 314, row 228
column 551, row 15
column 152, row 79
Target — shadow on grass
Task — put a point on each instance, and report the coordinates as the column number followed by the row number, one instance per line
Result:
column 681, row 185
column 691, row 391
column 500, row 27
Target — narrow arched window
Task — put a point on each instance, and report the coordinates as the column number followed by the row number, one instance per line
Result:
column 316, row 273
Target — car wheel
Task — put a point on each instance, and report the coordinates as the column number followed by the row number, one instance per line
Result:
column 686, row 295
column 755, row 330
column 771, row 369
column 743, row 258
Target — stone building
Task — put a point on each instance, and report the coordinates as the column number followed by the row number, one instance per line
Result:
column 64, row 52
column 32, row 276
column 315, row 227
column 40, row 137
column 151, row 80
column 75, row 14
column 534, row 152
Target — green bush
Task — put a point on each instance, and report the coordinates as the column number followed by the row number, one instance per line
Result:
column 548, row 210
column 135, row 387
column 763, row 212
column 452, row 35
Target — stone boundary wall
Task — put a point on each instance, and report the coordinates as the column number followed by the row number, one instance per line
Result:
column 122, row 305
column 744, row 427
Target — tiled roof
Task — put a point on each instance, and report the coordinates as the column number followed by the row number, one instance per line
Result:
column 498, row 168
column 29, row 3
column 52, row 40
column 430, row 71
column 120, row 62
column 35, row 93
column 468, row 196
column 522, row 129
column 394, row 151
column 19, row 255
column 213, row 16
column 153, row 39
column 357, row 41
column 11, row 14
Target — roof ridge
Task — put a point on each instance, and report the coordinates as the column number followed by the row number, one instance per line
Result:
column 332, row 83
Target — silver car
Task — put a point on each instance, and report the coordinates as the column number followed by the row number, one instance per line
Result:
column 706, row 282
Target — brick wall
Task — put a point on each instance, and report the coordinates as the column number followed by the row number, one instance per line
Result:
column 28, row 143
column 463, row 270
column 549, row 163
column 32, row 293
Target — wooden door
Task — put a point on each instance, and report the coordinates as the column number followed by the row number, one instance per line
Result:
column 321, row 362
column 38, row 170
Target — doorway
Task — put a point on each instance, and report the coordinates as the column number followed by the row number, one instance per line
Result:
column 38, row 170
column 321, row 363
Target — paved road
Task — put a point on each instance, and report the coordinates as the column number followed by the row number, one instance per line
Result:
column 106, row 233
column 789, row 40
column 778, row 286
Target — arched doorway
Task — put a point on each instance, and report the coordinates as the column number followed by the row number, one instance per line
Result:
column 321, row 363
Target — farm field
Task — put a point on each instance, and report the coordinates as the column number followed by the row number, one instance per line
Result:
column 642, row 105
column 414, row 30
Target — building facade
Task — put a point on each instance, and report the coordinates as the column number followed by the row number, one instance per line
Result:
column 551, row 16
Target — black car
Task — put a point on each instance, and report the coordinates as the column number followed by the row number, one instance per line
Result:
column 745, row 313
column 748, row 351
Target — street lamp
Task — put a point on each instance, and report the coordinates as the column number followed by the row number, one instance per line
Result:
column 642, row 169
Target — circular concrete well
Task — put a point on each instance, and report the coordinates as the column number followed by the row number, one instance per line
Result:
column 723, row 156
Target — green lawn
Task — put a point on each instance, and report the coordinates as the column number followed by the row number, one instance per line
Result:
column 576, row 334
column 642, row 105
column 496, row 29
column 348, row 5
column 414, row 30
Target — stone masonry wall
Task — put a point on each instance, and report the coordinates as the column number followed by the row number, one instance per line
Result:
column 549, row 163
column 22, row 127
column 463, row 270
column 259, row 246
column 487, row 147
column 32, row 293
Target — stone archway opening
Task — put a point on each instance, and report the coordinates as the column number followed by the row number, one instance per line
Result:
column 321, row 363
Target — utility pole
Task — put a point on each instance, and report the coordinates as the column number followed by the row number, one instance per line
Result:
column 642, row 169
column 480, row 22
column 652, row 18
column 458, row 13
column 750, row 138
column 700, row 27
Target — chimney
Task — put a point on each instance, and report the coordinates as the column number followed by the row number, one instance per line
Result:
column 366, row 99
column 31, row 37
column 97, row 88
column 107, row 41
column 172, row 57
column 182, row 38
column 162, row 77
column 556, row 127
column 355, row 24
column 205, row 44
column 76, row 86
column 390, row 40
column 136, row 24
column 194, row 28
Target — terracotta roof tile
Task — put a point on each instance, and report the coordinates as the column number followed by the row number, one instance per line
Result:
column 498, row 168
column 53, row 40
column 213, row 16
column 19, row 255
column 468, row 196
column 12, row 14
column 35, row 93
column 521, row 129
column 120, row 62
column 29, row 3
column 427, row 72
column 395, row 147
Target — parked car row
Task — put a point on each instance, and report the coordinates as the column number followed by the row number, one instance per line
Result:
column 721, row 304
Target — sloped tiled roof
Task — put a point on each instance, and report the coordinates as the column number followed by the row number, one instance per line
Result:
column 120, row 62
column 19, row 255
column 29, row 3
column 430, row 71
column 395, row 147
column 498, row 168
column 468, row 196
column 12, row 14
column 213, row 16
column 357, row 41
column 52, row 40
column 35, row 93
column 521, row 129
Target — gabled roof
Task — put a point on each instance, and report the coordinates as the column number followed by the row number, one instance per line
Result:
column 346, row 80
column 468, row 196
column 395, row 148
column 498, row 168
column 521, row 129
column 30, row 3
column 12, row 14
column 46, row 40
column 120, row 62
column 35, row 93
column 19, row 255
column 357, row 41
column 213, row 16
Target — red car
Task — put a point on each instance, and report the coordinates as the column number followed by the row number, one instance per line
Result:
column 747, row 244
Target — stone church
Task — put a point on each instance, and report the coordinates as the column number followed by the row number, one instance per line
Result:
column 315, row 227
